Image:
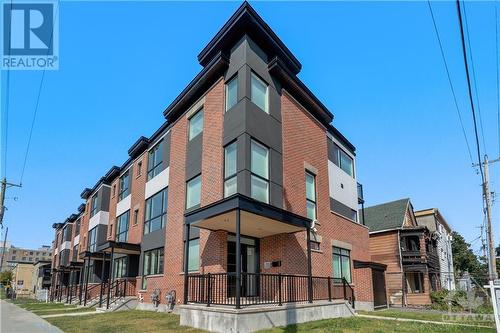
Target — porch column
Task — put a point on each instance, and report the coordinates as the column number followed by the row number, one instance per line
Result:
column 110, row 275
column 186, row 261
column 102, row 278
column 238, row 260
column 86, row 281
column 68, row 289
column 80, row 283
column 309, row 267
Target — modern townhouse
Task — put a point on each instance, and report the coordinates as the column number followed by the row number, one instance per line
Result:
column 407, row 248
column 245, row 196
column 441, row 232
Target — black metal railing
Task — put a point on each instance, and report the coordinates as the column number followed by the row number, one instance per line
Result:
column 257, row 289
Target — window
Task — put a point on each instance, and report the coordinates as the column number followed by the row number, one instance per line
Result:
column 139, row 169
column 122, row 227
column 259, row 160
column 120, row 268
column 92, row 240
column 230, row 180
column 195, row 125
column 193, row 192
column 77, row 227
column 93, row 211
column 258, row 92
column 232, row 92
column 341, row 264
column 152, row 263
column 136, row 216
column 315, row 246
column 194, row 254
column 114, row 190
column 342, row 160
column 155, row 159
column 124, row 185
column 311, row 195
column 75, row 253
column 156, row 211
column 414, row 282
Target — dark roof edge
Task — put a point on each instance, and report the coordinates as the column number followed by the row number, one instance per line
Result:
column 339, row 136
column 138, row 147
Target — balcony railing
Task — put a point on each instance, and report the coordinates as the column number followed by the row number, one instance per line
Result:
column 258, row 289
column 360, row 194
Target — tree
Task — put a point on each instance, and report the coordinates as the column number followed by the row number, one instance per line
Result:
column 6, row 278
column 464, row 259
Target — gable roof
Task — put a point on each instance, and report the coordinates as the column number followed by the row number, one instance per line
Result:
column 386, row 216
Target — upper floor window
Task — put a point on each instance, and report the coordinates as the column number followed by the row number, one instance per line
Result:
column 232, row 92
column 122, row 227
column 92, row 240
column 77, row 227
column 75, row 253
column 311, row 195
column 155, row 159
column 156, row 211
column 193, row 192
column 343, row 160
column 195, row 125
column 259, row 164
column 230, row 179
column 93, row 209
column 124, row 185
column 258, row 92
column 139, row 169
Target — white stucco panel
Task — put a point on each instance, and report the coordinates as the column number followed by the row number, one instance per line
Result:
column 123, row 205
column 76, row 240
column 342, row 187
column 157, row 184
column 100, row 217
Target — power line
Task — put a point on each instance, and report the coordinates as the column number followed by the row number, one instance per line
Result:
column 450, row 81
column 498, row 85
column 469, row 88
column 474, row 77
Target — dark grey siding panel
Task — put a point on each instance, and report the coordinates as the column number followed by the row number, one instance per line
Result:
column 64, row 258
column 102, row 231
column 331, row 152
column 166, row 150
column 193, row 156
column 103, row 199
column 341, row 209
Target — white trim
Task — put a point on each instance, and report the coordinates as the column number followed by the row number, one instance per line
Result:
column 101, row 217
column 76, row 240
column 123, row 205
column 158, row 183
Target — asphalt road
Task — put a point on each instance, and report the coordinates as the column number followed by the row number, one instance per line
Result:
column 13, row 319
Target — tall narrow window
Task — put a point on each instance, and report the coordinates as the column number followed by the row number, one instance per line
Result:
column 152, row 264
column 93, row 210
column 122, row 227
column 341, row 264
column 193, row 192
column 194, row 254
column 258, row 93
column 230, row 158
column 231, row 92
column 155, row 159
column 156, row 211
column 124, row 185
column 259, row 161
column 92, row 240
column 311, row 195
column 346, row 163
column 120, row 267
column 136, row 216
column 196, row 125
column 139, row 169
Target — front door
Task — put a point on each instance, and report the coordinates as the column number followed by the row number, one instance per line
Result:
column 249, row 265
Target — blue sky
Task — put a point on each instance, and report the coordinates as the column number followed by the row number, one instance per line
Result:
column 376, row 65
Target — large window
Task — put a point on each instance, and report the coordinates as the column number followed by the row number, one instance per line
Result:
column 122, row 227
column 230, row 179
column 92, row 240
column 193, row 192
column 231, row 93
column 156, row 211
column 196, row 125
column 77, row 227
column 93, row 209
column 259, row 161
column 194, row 254
column 124, row 185
column 311, row 195
column 258, row 92
column 343, row 160
column 120, row 268
column 152, row 264
column 341, row 264
column 414, row 282
column 155, row 159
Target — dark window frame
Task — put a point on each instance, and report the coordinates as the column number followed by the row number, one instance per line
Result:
column 253, row 174
column 124, row 185
column 342, row 255
column 155, row 160
column 162, row 216
column 187, row 189
column 197, row 113
column 93, row 203
column 308, row 200
column 234, row 78
column 122, row 235
column 232, row 175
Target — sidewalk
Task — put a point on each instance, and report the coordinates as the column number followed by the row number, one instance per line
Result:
column 421, row 321
column 13, row 319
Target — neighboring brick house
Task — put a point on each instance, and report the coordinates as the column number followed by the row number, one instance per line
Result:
column 246, row 156
column 441, row 231
column 407, row 248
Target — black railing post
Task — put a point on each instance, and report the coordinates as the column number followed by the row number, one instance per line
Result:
column 68, row 287
column 110, row 275
column 209, row 289
column 102, row 279
column 345, row 288
column 238, row 260
column 82, row 272
column 186, row 262
column 329, row 289
column 309, row 266
column 280, row 301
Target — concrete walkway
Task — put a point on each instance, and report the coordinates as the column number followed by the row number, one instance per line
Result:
column 13, row 319
column 70, row 314
column 421, row 321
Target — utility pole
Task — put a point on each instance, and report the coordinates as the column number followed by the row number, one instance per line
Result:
column 492, row 268
column 4, row 249
column 3, row 189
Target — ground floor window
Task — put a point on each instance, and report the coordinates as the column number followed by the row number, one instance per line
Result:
column 414, row 282
column 194, row 255
column 120, row 267
column 152, row 264
column 341, row 264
